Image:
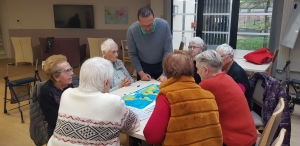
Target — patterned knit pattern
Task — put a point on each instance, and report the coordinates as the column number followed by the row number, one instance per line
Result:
column 98, row 124
column 194, row 118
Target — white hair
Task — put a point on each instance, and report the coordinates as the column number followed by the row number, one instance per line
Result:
column 93, row 73
column 106, row 45
column 226, row 49
column 210, row 58
column 199, row 42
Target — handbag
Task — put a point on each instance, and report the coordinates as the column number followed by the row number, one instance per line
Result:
column 260, row 56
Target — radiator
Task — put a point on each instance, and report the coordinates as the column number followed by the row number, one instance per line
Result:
column 286, row 53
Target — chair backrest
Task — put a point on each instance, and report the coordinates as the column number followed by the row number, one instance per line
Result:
column 272, row 124
column 278, row 141
column 181, row 51
column 23, row 49
column 95, row 46
column 125, row 51
column 181, row 46
column 258, row 92
column 271, row 66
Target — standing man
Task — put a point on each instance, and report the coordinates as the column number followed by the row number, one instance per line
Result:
column 149, row 41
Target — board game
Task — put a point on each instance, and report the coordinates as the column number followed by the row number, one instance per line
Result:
column 141, row 98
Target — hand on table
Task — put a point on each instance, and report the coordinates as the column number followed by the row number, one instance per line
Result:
column 162, row 78
column 125, row 82
column 144, row 76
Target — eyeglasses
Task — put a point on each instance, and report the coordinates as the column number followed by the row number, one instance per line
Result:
column 67, row 70
column 147, row 26
column 193, row 47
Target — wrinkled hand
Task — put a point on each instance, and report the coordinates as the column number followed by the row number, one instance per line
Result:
column 125, row 82
column 162, row 78
column 144, row 76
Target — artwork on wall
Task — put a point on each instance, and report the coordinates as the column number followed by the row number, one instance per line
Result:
column 116, row 15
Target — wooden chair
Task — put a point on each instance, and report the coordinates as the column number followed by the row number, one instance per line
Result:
column 181, row 46
column 23, row 49
column 95, row 46
column 267, row 136
column 278, row 141
column 125, row 51
column 181, row 51
column 258, row 99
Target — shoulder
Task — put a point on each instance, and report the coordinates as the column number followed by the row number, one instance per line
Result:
column 134, row 25
column 47, row 86
column 161, row 21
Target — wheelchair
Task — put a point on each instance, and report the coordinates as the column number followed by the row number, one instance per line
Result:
column 20, row 90
column 294, row 97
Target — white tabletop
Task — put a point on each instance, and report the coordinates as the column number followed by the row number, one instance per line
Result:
column 133, row 87
column 241, row 53
column 251, row 67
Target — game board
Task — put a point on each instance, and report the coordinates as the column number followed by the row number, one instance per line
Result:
column 142, row 97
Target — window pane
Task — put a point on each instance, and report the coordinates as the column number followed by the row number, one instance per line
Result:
column 213, row 40
column 182, row 36
column 216, row 6
column 216, row 23
column 254, row 24
column 256, row 6
column 252, row 42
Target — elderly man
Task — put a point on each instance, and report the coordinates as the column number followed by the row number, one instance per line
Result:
column 196, row 46
column 149, row 41
column 237, row 124
column 238, row 74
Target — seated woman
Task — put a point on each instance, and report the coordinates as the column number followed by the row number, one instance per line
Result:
column 184, row 113
column 237, row 124
column 59, row 74
column 121, row 76
column 238, row 74
column 196, row 46
column 88, row 115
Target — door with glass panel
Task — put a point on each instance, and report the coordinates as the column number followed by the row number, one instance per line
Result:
column 216, row 22
column 184, row 18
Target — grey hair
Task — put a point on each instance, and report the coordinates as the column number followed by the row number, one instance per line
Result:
column 199, row 42
column 93, row 73
column 226, row 49
column 106, row 45
column 210, row 58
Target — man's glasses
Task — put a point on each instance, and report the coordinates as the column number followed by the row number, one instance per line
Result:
column 193, row 47
column 67, row 70
column 147, row 26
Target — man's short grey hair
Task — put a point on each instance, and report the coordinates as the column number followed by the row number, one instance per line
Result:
column 226, row 49
column 210, row 58
column 199, row 42
column 106, row 45
column 93, row 73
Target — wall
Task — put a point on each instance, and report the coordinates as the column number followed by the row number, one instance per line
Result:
column 36, row 20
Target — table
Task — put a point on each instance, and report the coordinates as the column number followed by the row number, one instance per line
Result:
column 248, row 66
column 126, row 90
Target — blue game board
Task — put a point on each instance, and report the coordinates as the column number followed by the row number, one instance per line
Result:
column 142, row 97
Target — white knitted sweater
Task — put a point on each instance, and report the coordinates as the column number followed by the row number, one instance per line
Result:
column 92, row 119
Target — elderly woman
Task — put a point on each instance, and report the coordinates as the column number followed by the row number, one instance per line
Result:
column 186, row 113
column 237, row 124
column 59, row 74
column 88, row 115
column 238, row 74
column 121, row 77
column 196, row 46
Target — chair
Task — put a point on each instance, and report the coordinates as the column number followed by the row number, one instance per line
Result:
column 278, row 141
column 181, row 46
column 266, row 137
column 70, row 47
column 125, row 51
column 95, row 46
column 23, row 49
column 257, row 98
column 271, row 66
